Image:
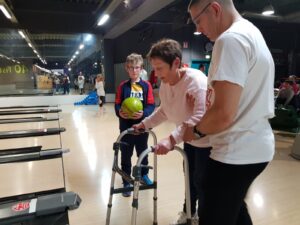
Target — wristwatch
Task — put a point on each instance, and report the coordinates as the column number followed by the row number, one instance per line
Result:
column 197, row 133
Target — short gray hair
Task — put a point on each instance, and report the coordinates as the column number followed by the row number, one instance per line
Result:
column 192, row 3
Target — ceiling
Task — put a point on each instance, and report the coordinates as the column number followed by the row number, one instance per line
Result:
column 56, row 28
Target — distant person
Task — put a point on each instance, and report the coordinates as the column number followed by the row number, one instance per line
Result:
column 202, row 68
column 81, row 83
column 144, row 74
column 66, row 84
column 153, row 80
column 57, row 84
column 99, row 85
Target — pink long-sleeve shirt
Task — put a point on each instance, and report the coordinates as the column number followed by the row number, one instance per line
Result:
column 175, row 108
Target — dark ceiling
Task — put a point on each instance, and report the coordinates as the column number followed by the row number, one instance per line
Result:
column 57, row 27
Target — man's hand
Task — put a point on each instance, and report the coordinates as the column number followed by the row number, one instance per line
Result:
column 122, row 114
column 164, row 146
column 138, row 115
column 190, row 100
column 188, row 134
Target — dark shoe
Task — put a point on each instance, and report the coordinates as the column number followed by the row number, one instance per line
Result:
column 126, row 193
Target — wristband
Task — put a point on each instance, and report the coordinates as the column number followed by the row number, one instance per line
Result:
column 197, row 133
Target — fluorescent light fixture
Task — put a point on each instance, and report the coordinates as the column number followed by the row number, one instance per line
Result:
column 207, row 56
column 88, row 37
column 29, row 45
column 22, row 34
column 5, row 12
column 268, row 10
column 103, row 19
column 197, row 33
column 77, row 52
column 35, row 51
column 81, row 46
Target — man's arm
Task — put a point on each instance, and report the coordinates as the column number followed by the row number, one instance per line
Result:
column 224, row 109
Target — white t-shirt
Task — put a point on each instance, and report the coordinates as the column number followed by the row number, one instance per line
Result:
column 100, row 88
column 241, row 56
column 174, row 106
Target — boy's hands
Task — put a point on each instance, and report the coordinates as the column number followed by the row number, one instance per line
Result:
column 135, row 116
column 122, row 114
column 138, row 115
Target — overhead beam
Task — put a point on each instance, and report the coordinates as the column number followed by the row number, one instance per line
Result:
column 138, row 15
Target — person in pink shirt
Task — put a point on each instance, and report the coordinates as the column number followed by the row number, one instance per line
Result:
column 178, row 87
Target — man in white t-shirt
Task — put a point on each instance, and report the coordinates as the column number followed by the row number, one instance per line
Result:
column 240, row 100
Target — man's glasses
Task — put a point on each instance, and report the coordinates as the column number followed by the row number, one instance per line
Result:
column 132, row 68
column 202, row 11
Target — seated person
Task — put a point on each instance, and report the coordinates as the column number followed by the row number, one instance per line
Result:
column 286, row 93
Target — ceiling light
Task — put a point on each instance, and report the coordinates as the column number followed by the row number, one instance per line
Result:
column 207, row 56
column 29, row 45
column 268, row 10
column 5, row 12
column 197, row 33
column 88, row 37
column 81, row 46
column 103, row 19
column 69, row 69
column 22, row 34
column 35, row 51
column 77, row 52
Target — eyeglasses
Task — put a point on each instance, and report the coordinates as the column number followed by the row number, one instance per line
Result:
column 202, row 11
column 132, row 68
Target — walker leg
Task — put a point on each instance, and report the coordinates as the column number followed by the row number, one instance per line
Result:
column 109, row 205
column 155, row 190
column 135, row 201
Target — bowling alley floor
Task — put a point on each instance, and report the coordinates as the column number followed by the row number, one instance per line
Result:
column 274, row 198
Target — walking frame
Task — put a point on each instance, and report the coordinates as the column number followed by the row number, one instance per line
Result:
column 137, row 183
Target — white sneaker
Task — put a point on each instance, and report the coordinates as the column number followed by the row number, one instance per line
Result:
column 182, row 219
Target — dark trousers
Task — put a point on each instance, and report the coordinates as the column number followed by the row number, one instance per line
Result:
column 101, row 100
column 225, row 187
column 140, row 142
column 197, row 158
